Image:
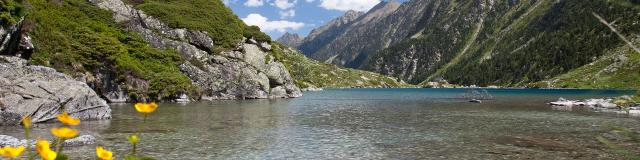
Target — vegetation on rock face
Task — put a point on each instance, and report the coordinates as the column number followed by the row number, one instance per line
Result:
column 310, row 73
column 222, row 25
column 11, row 11
column 79, row 39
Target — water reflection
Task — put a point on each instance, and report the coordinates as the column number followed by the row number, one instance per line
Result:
column 363, row 124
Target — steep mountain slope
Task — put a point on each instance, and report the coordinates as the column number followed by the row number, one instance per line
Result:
column 365, row 34
column 618, row 68
column 311, row 73
column 321, row 36
column 290, row 40
column 510, row 43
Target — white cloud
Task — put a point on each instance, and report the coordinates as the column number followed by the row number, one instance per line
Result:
column 284, row 4
column 265, row 25
column 228, row 2
column 287, row 13
column 345, row 5
column 254, row 3
column 309, row 1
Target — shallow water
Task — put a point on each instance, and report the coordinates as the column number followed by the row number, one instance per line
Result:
column 363, row 124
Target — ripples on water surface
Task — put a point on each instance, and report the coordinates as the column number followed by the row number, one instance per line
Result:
column 364, row 124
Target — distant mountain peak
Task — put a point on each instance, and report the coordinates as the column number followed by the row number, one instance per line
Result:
column 338, row 22
column 290, row 39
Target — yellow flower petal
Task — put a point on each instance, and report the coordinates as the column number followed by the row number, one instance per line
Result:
column 48, row 155
column 146, row 107
column 45, row 151
column 104, row 154
column 64, row 132
column 65, row 118
column 42, row 145
column 11, row 152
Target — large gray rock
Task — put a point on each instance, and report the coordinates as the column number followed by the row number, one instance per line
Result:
column 246, row 72
column 42, row 93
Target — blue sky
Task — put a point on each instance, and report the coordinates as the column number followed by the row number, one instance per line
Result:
column 275, row 17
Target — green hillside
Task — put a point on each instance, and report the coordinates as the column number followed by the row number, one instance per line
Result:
column 307, row 72
column 79, row 39
column 619, row 68
column 223, row 26
column 506, row 43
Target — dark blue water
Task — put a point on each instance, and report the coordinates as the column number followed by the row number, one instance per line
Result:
column 366, row 124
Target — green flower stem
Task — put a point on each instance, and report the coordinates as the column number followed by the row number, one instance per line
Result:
column 59, row 145
column 28, row 146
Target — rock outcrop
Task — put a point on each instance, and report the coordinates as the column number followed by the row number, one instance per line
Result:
column 15, row 42
column 246, row 72
column 42, row 93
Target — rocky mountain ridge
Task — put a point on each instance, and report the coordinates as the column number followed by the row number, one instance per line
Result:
column 482, row 42
column 290, row 40
column 350, row 44
column 320, row 37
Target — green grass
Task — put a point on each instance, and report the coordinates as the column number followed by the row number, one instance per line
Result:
column 617, row 69
column 308, row 72
column 11, row 11
column 212, row 16
column 77, row 38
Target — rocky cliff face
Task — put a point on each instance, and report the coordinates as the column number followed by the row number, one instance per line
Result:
column 350, row 43
column 248, row 71
column 42, row 93
column 322, row 36
column 290, row 40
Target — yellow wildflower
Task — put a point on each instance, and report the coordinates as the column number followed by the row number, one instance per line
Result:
column 65, row 118
column 45, row 151
column 11, row 152
column 64, row 132
column 104, row 154
column 146, row 107
column 134, row 139
column 26, row 121
column 42, row 145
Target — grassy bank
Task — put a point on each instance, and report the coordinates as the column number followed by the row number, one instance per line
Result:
column 307, row 72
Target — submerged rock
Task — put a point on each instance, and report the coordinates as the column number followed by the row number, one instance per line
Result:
column 78, row 141
column 42, row 93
